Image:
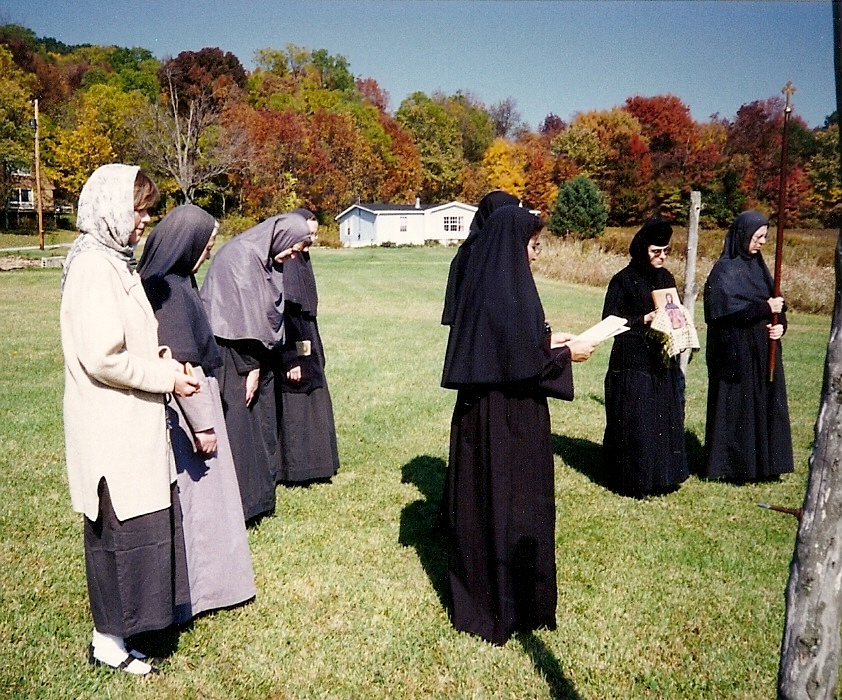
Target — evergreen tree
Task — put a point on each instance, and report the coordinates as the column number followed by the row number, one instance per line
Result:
column 580, row 209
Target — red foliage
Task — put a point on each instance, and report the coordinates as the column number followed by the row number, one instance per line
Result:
column 373, row 93
column 208, row 73
column 552, row 126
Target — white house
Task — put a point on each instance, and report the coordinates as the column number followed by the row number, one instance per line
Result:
column 404, row 224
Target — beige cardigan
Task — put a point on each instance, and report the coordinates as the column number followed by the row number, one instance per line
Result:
column 115, row 382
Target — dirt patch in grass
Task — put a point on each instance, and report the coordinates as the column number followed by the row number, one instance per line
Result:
column 17, row 262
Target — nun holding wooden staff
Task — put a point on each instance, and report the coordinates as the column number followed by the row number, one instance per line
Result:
column 747, row 436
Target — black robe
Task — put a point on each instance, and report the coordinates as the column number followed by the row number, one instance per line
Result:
column 252, row 430
column 747, row 435
column 643, row 447
column 498, row 508
column 308, row 448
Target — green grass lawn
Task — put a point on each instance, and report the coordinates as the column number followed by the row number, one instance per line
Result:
column 677, row 597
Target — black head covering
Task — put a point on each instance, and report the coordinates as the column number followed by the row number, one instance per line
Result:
column 243, row 290
column 657, row 232
column 166, row 270
column 498, row 334
column 486, row 207
column 299, row 280
column 738, row 279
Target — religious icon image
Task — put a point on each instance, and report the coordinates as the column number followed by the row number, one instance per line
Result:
column 673, row 311
column 668, row 300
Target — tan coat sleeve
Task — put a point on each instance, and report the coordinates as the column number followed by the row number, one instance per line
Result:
column 98, row 329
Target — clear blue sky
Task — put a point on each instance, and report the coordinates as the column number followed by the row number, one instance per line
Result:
column 550, row 56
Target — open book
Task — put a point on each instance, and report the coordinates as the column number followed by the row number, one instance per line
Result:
column 606, row 328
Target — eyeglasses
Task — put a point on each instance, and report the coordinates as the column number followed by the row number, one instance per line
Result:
column 657, row 252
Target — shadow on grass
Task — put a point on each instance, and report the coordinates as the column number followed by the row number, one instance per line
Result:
column 695, row 452
column 419, row 529
column 418, row 521
column 586, row 457
column 582, row 455
column 545, row 663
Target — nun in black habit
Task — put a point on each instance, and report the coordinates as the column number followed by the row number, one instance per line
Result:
column 486, row 207
column 308, row 450
column 643, row 445
column 218, row 560
column 747, row 436
column 499, row 503
column 243, row 297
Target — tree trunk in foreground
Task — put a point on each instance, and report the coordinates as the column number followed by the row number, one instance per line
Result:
column 809, row 665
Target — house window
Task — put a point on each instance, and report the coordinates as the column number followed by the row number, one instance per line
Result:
column 403, row 224
column 21, row 200
column 453, row 224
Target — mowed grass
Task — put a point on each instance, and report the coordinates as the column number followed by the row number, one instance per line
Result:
column 679, row 596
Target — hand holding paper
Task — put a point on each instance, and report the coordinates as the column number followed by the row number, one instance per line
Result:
column 606, row 328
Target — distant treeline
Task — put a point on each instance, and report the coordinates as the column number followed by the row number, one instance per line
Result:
column 301, row 129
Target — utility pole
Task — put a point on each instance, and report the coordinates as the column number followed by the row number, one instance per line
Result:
column 35, row 123
column 38, row 177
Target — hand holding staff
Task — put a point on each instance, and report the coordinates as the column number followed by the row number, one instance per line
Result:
column 788, row 91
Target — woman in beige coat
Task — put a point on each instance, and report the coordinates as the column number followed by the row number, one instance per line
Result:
column 119, row 462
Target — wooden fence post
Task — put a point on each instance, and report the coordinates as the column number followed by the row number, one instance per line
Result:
column 690, row 290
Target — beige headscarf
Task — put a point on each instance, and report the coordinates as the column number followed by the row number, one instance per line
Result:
column 105, row 217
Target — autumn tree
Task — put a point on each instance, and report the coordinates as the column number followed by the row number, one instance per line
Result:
column 504, row 164
column 96, row 129
column 670, row 131
column 552, row 126
column 823, row 172
column 403, row 177
column 439, row 142
column 705, row 156
column 49, row 85
column 755, row 134
column 473, row 121
column 609, row 147
column 342, row 164
column 278, row 142
column 184, row 136
column 372, row 93
column 580, row 145
column 349, row 147
column 16, row 137
column 76, row 152
column 506, row 117
column 539, row 172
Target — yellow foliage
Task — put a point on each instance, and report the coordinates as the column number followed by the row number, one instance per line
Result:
column 504, row 164
column 78, row 152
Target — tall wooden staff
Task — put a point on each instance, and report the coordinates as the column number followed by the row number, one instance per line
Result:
column 788, row 91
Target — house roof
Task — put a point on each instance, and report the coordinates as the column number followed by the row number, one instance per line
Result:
column 398, row 208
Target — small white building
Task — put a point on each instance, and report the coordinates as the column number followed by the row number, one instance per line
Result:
column 404, row 224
